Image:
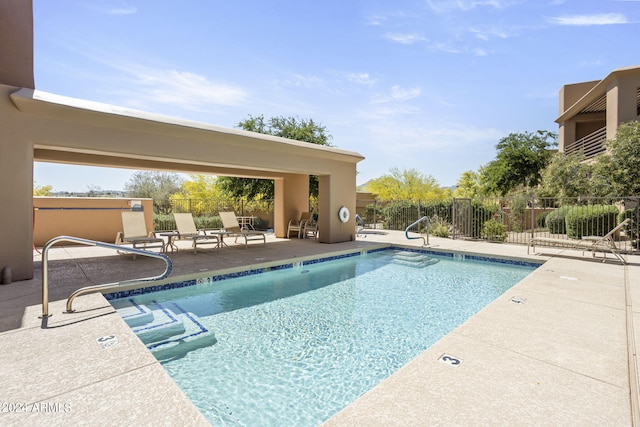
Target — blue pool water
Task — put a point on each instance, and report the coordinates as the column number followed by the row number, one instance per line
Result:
column 294, row 346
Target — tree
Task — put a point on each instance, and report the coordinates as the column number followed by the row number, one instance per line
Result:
column 520, row 160
column 158, row 186
column 285, row 127
column 615, row 173
column 565, row 176
column 407, row 184
column 44, row 190
column 200, row 187
column 468, row 185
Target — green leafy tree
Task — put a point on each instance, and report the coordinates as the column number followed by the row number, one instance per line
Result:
column 406, row 184
column 616, row 172
column 44, row 190
column 468, row 185
column 565, row 177
column 286, row 127
column 201, row 187
column 520, row 160
column 158, row 186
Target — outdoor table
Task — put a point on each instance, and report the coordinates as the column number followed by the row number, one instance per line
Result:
column 171, row 240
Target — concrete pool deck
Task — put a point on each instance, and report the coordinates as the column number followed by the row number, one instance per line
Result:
column 565, row 355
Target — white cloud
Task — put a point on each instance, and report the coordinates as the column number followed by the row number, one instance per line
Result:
column 107, row 7
column 587, row 20
column 404, row 38
column 299, row 80
column 397, row 94
column 182, row 89
column 376, row 20
column 464, row 5
column 489, row 33
column 361, row 78
column 125, row 10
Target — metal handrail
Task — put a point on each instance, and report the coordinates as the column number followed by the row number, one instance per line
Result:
column 406, row 231
column 86, row 289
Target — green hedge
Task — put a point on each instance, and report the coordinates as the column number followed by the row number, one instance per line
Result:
column 593, row 220
column 630, row 230
column 555, row 220
column 167, row 222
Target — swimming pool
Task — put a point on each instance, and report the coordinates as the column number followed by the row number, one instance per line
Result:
column 294, row 345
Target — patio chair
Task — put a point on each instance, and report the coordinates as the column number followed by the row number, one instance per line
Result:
column 135, row 233
column 232, row 228
column 297, row 225
column 310, row 227
column 187, row 230
column 594, row 244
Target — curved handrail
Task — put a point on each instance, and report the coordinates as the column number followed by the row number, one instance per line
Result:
column 406, row 231
column 360, row 223
column 86, row 289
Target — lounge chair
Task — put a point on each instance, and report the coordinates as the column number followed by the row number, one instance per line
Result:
column 135, row 233
column 187, row 230
column 594, row 244
column 310, row 227
column 297, row 225
column 232, row 228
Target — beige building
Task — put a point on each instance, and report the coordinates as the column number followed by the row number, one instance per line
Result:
column 590, row 112
column 37, row 126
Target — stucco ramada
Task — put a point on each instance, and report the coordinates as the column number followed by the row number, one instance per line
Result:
column 38, row 126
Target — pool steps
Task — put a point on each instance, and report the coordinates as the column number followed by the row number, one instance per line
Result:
column 413, row 259
column 166, row 329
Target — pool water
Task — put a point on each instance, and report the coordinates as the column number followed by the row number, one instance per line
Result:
column 292, row 347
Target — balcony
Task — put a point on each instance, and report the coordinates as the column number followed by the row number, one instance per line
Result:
column 591, row 145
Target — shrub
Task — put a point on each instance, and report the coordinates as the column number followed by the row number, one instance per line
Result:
column 541, row 219
column 555, row 220
column 438, row 227
column 630, row 230
column 493, row 230
column 593, row 220
column 481, row 214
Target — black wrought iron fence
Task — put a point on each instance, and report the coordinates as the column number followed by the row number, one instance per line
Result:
column 513, row 220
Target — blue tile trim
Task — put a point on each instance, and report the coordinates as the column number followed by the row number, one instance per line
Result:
column 150, row 289
column 137, row 306
column 203, row 330
column 158, row 325
column 471, row 257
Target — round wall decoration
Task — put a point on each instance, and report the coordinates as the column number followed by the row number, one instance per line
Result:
column 343, row 214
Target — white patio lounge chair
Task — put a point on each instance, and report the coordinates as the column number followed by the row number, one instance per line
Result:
column 233, row 229
column 297, row 225
column 310, row 227
column 594, row 244
column 187, row 230
column 135, row 233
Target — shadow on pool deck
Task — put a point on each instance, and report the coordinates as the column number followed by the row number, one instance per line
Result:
column 560, row 358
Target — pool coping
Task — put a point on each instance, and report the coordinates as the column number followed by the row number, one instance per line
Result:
column 63, row 363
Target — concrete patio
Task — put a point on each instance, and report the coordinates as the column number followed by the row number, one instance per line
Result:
column 566, row 356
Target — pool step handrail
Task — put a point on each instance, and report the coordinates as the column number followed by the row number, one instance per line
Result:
column 360, row 225
column 94, row 288
column 427, row 221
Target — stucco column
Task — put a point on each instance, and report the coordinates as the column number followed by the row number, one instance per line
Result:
column 291, row 199
column 16, row 192
column 335, row 191
column 621, row 102
column 567, row 135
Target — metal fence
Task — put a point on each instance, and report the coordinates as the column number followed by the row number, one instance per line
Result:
column 513, row 220
column 205, row 212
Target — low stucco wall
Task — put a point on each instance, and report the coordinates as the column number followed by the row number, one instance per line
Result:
column 86, row 217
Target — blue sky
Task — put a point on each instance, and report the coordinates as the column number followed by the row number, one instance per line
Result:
column 415, row 84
